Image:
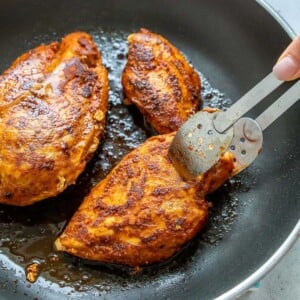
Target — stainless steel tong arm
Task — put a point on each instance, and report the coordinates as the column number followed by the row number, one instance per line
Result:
column 282, row 104
column 224, row 120
column 206, row 136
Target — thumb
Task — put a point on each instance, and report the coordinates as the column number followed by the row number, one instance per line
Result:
column 288, row 65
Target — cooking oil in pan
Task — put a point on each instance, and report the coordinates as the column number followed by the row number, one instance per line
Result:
column 27, row 234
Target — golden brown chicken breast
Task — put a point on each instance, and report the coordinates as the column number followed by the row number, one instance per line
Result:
column 53, row 101
column 160, row 82
column 142, row 212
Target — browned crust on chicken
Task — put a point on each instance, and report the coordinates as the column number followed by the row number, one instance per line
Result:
column 160, row 82
column 53, row 101
column 143, row 212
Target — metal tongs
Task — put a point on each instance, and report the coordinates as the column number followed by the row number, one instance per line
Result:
column 206, row 136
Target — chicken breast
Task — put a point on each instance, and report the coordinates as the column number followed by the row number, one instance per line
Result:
column 143, row 212
column 53, row 101
column 160, row 82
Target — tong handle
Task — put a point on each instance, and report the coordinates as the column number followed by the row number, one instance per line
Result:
column 282, row 104
column 247, row 133
column 226, row 119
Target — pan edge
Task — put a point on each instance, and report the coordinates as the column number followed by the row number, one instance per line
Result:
column 261, row 272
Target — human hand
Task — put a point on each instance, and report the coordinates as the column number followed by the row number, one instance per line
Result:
column 288, row 65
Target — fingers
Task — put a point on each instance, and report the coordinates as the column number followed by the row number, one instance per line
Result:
column 288, row 64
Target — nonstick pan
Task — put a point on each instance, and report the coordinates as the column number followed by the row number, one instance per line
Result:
column 233, row 44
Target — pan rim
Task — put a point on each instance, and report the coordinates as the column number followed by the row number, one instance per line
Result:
column 282, row 22
column 263, row 270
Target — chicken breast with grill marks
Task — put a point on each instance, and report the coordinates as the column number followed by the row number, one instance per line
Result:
column 160, row 82
column 53, row 101
column 143, row 212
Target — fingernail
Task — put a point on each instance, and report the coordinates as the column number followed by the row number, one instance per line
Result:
column 285, row 68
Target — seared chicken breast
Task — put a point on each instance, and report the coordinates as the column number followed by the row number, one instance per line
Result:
column 160, row 82
column 53, row 101
column 143, row 212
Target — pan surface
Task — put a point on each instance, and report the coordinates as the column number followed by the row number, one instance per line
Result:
column 234, row 46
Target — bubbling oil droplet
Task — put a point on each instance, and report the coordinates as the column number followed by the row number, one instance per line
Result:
column 213, row 97
column 86, row 277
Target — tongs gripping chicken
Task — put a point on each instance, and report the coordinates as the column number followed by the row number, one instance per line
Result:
column 207, row 135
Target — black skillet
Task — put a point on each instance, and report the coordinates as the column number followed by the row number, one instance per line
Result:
column 234, row 44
